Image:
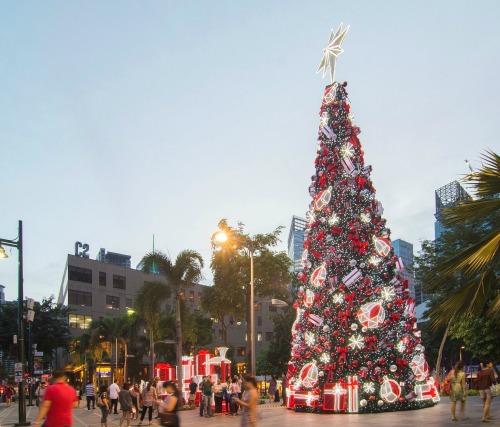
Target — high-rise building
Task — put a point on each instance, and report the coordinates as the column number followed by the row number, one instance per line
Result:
column 113, row 258
column 296, row 242
column 404, row 250
column 2, row 294
column 447, row 196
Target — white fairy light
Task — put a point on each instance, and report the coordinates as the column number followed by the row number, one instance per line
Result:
column 369, row 387
column 333, row 219
column 338, row 298
column 325, row 358
column 356, row 341
column 347, row 150
column 365, row 217
column 323, row 121
column 310, row 338
column 401, row 347
column 374, row 260
column 388, row 293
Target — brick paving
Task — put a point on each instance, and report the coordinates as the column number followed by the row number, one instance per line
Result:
column 276, row 416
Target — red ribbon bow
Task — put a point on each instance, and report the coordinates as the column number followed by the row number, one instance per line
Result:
column 342, row 352
column 349, row 297
column 344, row 315
column 371, row 340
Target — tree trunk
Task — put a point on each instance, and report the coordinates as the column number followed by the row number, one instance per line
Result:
column 440, row 353
column 125, row 362
column 178, row 337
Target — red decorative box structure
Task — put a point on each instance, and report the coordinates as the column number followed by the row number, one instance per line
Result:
column 305, row 398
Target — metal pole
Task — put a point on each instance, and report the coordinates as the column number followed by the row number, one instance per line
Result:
column 30, row 364
column 20, row 331
column 252, row 320
column 152, row 355
column 116, row 360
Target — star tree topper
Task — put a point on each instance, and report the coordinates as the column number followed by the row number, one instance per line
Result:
column 331, row 52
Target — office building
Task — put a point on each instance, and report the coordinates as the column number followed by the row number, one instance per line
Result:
column 447, row 196
column 296, row 242
column 404, row 250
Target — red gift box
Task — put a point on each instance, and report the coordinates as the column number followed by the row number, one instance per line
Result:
column 305, row 398
column 335, row 397
column 290, row 397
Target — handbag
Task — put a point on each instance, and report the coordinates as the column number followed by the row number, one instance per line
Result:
column 446, row 387
column 495, row 389
column 167, row 419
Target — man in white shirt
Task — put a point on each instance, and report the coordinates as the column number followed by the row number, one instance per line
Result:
column 113, row 391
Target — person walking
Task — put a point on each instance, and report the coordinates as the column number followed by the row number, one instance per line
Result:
column 458, row 390
column 125, row 403
column 485, row 378
column 234, row 391
column 113, row 391
column 39, row 393
column 217, row 389
column 58, row 403
column 135, row 393
column 90, row 393
column 248, row 402
column 225, row 393
column 168, row 408
column 272, row 388
column 148, row 398
column 9, row 392
column 103, row 404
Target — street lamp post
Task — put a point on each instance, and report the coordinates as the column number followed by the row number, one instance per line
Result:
column 20, row 324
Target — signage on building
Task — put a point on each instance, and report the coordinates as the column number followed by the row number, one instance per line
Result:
column 82, row 249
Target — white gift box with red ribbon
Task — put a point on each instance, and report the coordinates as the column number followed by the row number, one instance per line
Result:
column 400, row 267
column 315, row 319
column 348, row 165
column 427, row 391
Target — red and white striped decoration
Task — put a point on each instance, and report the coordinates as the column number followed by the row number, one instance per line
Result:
column 400, row 267
column 348, row 165
column 315, row 319
column 318, row 276
column 352, row 277
column 328, row 132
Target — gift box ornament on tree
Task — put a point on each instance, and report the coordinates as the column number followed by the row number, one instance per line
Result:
column 355, row 343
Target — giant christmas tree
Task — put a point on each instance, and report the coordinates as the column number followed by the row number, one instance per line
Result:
column 355, row 343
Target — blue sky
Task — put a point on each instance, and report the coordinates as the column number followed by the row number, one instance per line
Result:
column 121, row 119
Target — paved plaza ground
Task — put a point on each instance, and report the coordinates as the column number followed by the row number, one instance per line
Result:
column 275, row 416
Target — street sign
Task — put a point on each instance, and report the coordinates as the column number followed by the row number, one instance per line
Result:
column 30, row 380
column 18, row 366
column 38, row 353
column 18, row 375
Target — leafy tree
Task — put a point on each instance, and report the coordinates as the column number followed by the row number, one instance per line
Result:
column 279, row 348
column 477, row 264
column 51, row 320
column 263, row 366
column 186, row 271
column 231, row 268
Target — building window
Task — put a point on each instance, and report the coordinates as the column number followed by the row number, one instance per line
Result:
column 259, row 320
column 128, row 302
column 269, row 336
column 112, row 303
column 183, row 294
column 191, row 296
column 102, row 278
column 259, row 336
column 240, row 351
column 119, row 282
column 79, row 321
column 79, row 274
column 81, row 298
column 257, row 307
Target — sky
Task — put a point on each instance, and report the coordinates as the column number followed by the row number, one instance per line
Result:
column 124, row 119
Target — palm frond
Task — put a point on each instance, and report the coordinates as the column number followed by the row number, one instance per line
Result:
column 156, row 263
column 475, row 210
column 469, row 300
column 471, row 260
column 486, row 181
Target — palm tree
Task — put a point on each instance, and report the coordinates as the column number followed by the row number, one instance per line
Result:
column 476, row 266
column 186, row 271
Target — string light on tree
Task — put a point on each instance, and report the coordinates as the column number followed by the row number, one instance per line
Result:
column 369, row 387
column 356, row 341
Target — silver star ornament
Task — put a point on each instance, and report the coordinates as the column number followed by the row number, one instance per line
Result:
column 333, row 50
